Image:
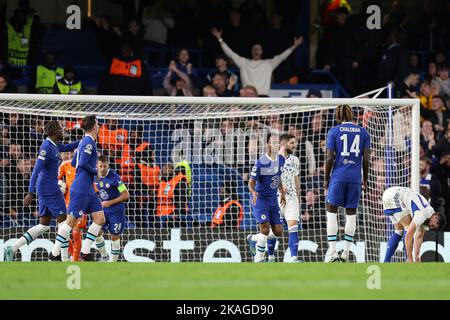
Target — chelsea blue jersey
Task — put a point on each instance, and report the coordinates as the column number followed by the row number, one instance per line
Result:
column 348, row 141
column 109, row 188
column 85, row 163
column 44, row 178
column 267, row 174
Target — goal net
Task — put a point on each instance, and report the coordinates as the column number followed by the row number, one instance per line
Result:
column 211, row 144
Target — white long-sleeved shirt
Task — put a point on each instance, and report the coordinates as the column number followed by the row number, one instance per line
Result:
column 257, row 73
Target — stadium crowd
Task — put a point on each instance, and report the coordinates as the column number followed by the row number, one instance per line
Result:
column 247, row 50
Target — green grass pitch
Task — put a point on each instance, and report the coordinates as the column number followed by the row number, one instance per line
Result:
column 44, row 280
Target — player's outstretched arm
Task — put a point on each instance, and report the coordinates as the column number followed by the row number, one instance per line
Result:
column 409, row 242
column 68, row 147
column 418, row 240
column 238, row 60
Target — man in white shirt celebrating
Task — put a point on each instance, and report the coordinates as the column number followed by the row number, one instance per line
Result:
column 256, row 71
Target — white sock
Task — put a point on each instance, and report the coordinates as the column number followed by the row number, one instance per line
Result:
column 260, row 247
column 56, row 251
column 399, row 232
column 115, row 250
column 91, row 235
column 350, row 228
column 100, row 244
column 30, row 235
column 62, row 242
column 332, row 229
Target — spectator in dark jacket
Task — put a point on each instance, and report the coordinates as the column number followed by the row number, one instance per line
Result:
column 443, row 145
column 342, row 54
column 393, row 62
column 442, row 171
column 222, row 66
column 430, row 186
column 126, row 75
column 222, row 85
column 107, row 37
column 134, row 35
column 407, row 88
column 439, row 116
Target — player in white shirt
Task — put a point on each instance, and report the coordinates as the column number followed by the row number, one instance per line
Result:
column 409, row 211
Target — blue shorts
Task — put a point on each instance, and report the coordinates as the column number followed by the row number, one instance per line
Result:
column 83, row 204
column 267, row 210
column 52, row 205
column 115, row 222
column 344, row 194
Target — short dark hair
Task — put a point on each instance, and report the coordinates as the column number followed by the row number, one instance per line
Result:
column 51, row 127
column 427, row 160
column 286, row 137
column 441, row 67
column 68, row 69
column 221, row 56
column 221, row 73
column 103, row 158
column 441, row 220
column 411, row 72
column 88, row 123
column 269, row 135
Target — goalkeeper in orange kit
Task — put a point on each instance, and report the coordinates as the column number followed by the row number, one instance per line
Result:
column 65, row 178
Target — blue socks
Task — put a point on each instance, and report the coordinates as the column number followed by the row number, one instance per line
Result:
column 393, row 244
column 293, row 240
column 271, row 245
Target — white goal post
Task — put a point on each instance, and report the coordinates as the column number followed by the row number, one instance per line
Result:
column 219, row 139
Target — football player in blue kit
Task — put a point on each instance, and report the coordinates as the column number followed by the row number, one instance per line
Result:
column 83, row 198
column 348, row 149
column 113, row 194
column 264, row 184
column 44, row 182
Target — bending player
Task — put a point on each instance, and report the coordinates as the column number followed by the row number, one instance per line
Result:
column 83, row 199
column 265, row 180
column 44, row 181
column 113, row 194
column 409, row 211
column 348, row 146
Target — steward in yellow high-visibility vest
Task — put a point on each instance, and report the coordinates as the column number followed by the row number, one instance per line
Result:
column 18, row 31
column 47, row 75
column 68, row 84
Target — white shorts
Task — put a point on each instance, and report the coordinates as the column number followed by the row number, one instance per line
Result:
column 397, row 206
column 291, row 210
column 393, row 207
